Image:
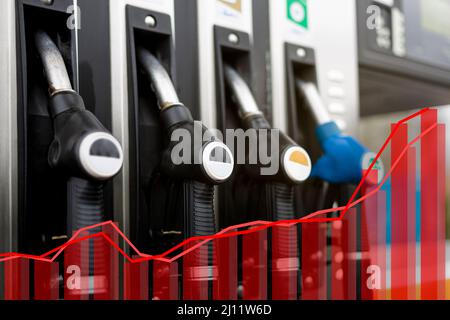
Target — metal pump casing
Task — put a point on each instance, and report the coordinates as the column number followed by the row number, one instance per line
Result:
column 8, row 128
column 331, row 33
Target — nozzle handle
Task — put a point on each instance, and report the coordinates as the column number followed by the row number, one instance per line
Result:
column 314, row 102
column 244, row 97
column 161, row 82
column 53, row 63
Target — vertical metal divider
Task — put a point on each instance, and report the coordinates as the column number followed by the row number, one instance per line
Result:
column 8, row 134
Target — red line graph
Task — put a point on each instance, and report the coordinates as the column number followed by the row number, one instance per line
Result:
column 227, row 233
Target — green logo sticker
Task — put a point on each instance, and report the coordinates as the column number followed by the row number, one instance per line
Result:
column 367, row 161
column 297, row 12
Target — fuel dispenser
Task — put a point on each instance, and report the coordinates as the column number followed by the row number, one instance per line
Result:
column 271, row 197
column 229, row 65
column 225, row 44
column 66, row 158
column 315, row 99
column 305, row 47
column 173, row 163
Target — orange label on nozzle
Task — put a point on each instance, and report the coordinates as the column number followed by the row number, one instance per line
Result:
column 297, row 164
column 235, row 4
column 299, row 158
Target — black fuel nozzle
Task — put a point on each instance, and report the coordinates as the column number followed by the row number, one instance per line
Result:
column 293, row 159
column 193, row 153
column 82, row 147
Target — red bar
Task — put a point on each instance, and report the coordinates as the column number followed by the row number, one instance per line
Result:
column 106, row 266
column 338, row 265
column 46, row 281
column 165, row 280
column 442, row 217
column 2, row 280
column 76, row 270
column 411, row 212
column 254, row 265
column 379, row 250
column 373, row 243
column 370, row 279
column 343, row 264
column 400, row 225
column 352, row 226
column 430, row 272
column 196, row 273
column 285, row 262
column 314, row 261
column 225, row 257
column 17, row 279
column 135, row 276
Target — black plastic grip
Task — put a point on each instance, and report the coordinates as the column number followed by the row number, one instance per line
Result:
column 179, row 117
column 65, row 101
column 72, row 123
column 176, row 116
column 259, row 122
column 256, row 122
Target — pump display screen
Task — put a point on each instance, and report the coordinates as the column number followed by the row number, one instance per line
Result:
column 428, row 31
column 404, row 52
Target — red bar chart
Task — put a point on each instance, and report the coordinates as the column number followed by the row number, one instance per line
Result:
column 368, row 249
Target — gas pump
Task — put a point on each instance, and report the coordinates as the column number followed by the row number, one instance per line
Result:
column 167, row 191
column 223, row 35
column 293, row 160
column 271, row 197
column 321, row 54
column 65, row 158
column 228, row 63
column 211, row 161
column 315, row 99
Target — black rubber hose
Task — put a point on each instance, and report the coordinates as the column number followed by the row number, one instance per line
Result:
column 284, row 210
column 85, row 204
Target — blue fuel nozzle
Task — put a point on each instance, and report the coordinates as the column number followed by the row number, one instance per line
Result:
column 345, row 158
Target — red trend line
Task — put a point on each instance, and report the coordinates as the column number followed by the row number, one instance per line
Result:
column 389, row 139
column 226, row 233
column 76, row 234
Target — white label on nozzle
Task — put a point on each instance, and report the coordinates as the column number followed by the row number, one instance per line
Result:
column 101, row 155
column 297, row 164
column 218, row 161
